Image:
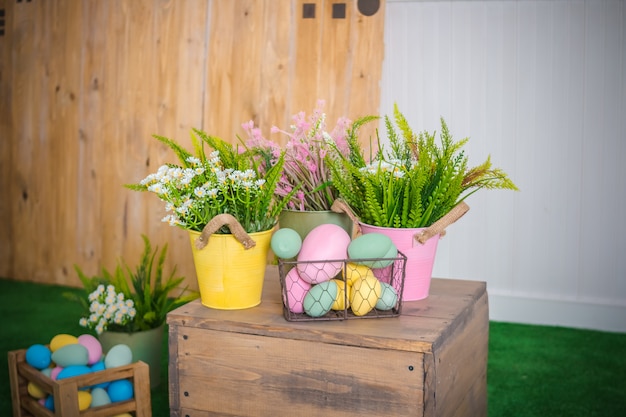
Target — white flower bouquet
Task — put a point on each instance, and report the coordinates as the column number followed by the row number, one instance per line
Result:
column 108, row 309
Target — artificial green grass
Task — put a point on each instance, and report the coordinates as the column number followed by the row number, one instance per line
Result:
column 532, row 370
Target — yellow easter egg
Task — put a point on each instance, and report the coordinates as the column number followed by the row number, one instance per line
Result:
column 341, row 299
column 36, row 392
column 84, row 400
column 364, row 294
column 354, row 271
column 61, row 340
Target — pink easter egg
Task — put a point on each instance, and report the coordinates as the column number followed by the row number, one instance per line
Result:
column 326, row 242
column 55, row 372
column 93, row 346
column 295, row 290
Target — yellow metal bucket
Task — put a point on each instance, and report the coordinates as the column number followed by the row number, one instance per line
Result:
column 231, row 277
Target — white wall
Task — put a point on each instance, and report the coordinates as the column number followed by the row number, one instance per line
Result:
column 541, row 86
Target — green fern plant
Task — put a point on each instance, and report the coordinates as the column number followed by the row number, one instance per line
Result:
column 153, row 293
column 218, row 180
column 414, row 182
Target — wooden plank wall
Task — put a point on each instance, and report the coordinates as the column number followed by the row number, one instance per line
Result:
column 84, row 85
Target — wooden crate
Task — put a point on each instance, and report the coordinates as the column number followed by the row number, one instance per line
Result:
column 65, row 391
column 429, row 361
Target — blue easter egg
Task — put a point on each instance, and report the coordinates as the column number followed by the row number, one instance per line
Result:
column 49, row 403
column 120, row 390
column 38, row 356
column 96, row 367
column 73, row 370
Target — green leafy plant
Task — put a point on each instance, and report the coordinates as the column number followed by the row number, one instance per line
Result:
column 226, row 180
column 413, row 183
column 151, row 293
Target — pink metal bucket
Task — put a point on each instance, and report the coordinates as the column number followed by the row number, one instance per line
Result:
column 420, row 258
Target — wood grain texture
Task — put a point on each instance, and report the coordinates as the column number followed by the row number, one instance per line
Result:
column 430, row 361
column 85, row 85
column 6, row 142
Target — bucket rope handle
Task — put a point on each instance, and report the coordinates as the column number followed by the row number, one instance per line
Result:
column 439, row 227
column 235, row 228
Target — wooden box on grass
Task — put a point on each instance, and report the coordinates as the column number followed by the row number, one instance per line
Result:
column 65, row 391
column 431, row 360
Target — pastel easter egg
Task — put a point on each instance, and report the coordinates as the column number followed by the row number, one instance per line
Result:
column 93, row 346
column 49, row 403
column 84, row 400
column 38, row 356
column 355, row 271
column 61, row 340
column 388, row 298
column 118, row 355
column 54, row 373
column 372, row 246
column 35, row 391
column 96, row 367
column 325, row 243
column 47, row 372
column 320, row 298
column 295, row 290
column 342, row 297
column 72, row 371
column 120, row 390
column 99, row 396
column 364, row 295
column 286, row 243
column 73, row 354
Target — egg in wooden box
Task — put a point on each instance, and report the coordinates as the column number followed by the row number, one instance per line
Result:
column 62, row 339
column 72, row 354
column 322, row 255
column 93, row 346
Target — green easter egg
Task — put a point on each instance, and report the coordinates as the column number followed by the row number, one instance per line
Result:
column 372, row 246
column 388, row 298
column 286, row 243
column 320, row 298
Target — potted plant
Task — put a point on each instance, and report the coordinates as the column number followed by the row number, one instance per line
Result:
column 130, row 306
column 411, row 191
column 305, row 169
column 227, row 203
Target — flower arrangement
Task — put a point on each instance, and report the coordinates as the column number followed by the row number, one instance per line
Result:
column 223, row 181
column 108, row 308
column 415, row 182
column 130, row 301
column 305, row 168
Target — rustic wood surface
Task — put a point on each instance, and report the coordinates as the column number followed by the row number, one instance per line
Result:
column 84, row 85
column 431, row 360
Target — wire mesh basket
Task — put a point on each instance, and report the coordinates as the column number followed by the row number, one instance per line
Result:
column 316, row 290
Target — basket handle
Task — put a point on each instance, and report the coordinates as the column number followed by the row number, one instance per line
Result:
column 340, row 206
column 439, row 227
column 235, row 228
